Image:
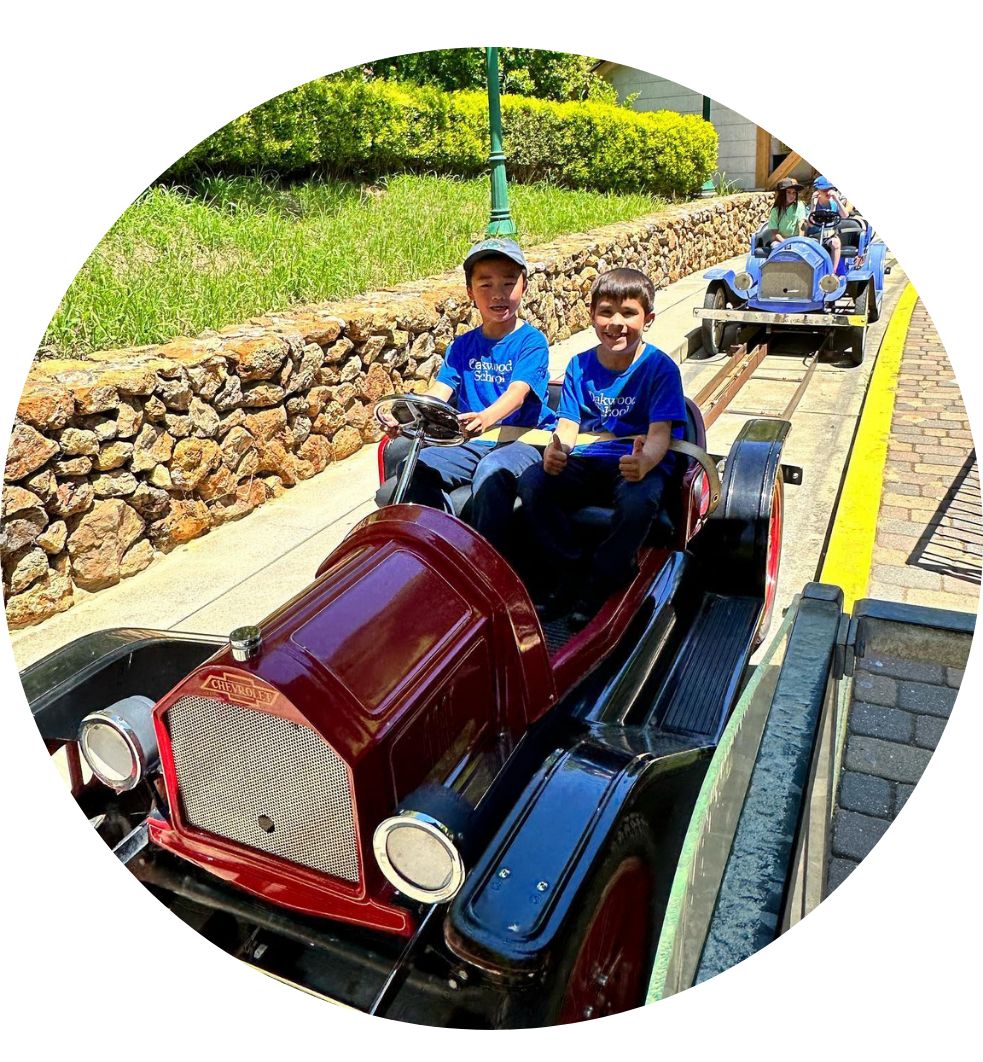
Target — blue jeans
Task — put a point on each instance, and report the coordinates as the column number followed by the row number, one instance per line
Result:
column 492, row 471
column 548, row 500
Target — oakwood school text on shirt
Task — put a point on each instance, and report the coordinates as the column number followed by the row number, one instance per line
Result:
column 480, row 371
column 624, row 403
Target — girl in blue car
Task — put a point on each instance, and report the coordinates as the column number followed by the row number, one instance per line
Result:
column 788, row 215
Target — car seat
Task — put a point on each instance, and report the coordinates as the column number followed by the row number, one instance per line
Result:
column 594, row 521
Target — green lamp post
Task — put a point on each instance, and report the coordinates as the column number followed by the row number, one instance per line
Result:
column 708, row 188
column 500, row 223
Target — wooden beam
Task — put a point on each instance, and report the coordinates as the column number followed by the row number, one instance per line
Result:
column 762, row 158
column 785, row 168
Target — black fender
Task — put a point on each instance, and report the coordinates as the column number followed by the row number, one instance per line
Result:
column 733, row 544
column 510, row 918
column 98, row 669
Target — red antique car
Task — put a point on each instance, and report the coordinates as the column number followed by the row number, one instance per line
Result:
column 399, row 790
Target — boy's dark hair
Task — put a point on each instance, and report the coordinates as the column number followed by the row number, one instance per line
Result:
column 621, row 284
column 469, row 271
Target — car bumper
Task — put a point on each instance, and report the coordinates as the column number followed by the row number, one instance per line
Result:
column 795, row 320
column 416, row 981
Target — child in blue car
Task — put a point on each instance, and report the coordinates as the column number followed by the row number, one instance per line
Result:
column 498, row 375
column 630, row 393
column 827, row 197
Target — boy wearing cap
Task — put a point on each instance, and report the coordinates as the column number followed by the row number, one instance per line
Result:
column 825, row 196
column 499, row 374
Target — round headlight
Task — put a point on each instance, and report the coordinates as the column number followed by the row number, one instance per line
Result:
column 119, row 743
column 418, row 856
column 743, row 281
column 829, row 283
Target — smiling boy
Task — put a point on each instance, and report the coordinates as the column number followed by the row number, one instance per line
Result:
column 630, row 393
column 499, row 374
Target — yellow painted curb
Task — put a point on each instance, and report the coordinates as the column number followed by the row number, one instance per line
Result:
column 851, row 545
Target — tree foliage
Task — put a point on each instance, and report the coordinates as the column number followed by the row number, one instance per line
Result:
column 558, row 76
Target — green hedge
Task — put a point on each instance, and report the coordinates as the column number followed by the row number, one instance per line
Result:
column 366, row 129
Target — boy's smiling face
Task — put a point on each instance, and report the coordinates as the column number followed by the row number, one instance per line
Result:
column 619, row 323
column 496, row 288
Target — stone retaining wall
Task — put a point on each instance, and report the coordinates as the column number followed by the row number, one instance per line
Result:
column 118, row 459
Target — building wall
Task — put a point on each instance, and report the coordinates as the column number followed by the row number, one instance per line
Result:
column 736, row 155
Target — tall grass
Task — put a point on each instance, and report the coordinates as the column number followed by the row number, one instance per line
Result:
column 182, row 260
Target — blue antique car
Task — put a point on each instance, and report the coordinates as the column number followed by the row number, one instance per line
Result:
column 794, row 286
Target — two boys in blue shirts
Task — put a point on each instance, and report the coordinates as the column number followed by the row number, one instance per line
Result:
column 625, row 392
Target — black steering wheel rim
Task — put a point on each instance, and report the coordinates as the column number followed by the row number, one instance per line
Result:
column 434, row 420
column 822, row 216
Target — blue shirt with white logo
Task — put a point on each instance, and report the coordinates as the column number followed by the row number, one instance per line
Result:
column 623, row 403
column 480, row 370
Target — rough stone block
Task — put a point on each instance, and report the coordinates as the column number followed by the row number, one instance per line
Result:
column 837, row 872
column 875, row 689
column 913, row 670
column 854, row 835
column 887, row 759
column 873, row 720
column 928, row 730
column 954, row 676
column 865, row 793
column 901, row 794
column 928, row 700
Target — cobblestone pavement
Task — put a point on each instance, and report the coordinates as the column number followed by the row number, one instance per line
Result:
column 928, row 551
column 899, row 712
column 930, row 527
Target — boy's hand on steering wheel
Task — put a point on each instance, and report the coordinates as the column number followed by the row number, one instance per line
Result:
column 390, row 425
column 472, row 424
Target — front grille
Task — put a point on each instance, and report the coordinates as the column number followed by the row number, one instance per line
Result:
column 266, row 782
column 786, row 280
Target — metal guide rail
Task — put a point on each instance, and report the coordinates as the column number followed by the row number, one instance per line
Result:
column 741, row 368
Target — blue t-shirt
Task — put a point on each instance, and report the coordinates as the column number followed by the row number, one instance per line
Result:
column 624, row 403
column 480, row 371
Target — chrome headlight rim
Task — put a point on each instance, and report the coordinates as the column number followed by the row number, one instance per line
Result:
column 123, row 730
column 829, row 283
column 743, row 282
column 436, row 830
column 143, row 753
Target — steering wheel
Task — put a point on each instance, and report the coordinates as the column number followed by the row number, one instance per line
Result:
column 821, row 217
column 424, row 419
column 432, row 420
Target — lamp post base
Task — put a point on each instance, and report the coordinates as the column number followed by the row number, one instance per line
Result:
column 501, row 227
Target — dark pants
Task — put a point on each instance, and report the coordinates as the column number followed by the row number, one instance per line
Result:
column 493, row 473
column 548, row 500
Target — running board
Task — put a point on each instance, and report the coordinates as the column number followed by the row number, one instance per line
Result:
column 699, row 692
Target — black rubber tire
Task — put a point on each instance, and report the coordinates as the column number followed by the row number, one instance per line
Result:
column 632, row 841
column 866, row 302
column 856, row 342
column 712, row 331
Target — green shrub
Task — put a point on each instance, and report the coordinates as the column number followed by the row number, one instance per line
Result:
column 350, row 128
